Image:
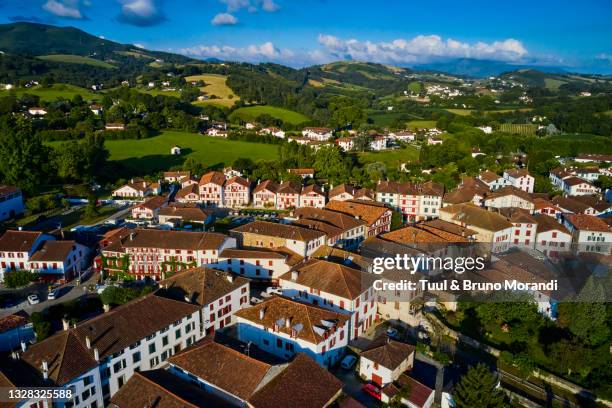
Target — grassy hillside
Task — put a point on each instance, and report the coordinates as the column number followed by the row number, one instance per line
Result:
column 391, row 158
column 250, row 113
column 145, row 156
column 55, row 91
column 215, row 85
column 76, row 59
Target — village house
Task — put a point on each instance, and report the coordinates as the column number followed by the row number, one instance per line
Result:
column 264, row 194
column 284, row 327
column 471, row 190
column 152, row 253
column 236, row 192
column 17, row 248
column 334, row 287
column 240, row 380
column 96, row 109
column 493, row 181
column 574, row 186
column 98, row 356
column 317, row 133
column 552, row 237
column 176, row 176
column 211, row 189
column 312, row 195
column 217, row 132
column 491, row 227
column 304, row 173
column 342, row 192
column 589, row 233
column 434, row 140
column 345, row 143
column 188, row 194
column 218, row 294
column 596, row 202
column 403, row 136
column 546, row 207
column 590, row 174
column 288, row 195
column 264, row 234
column 178, row 214
column 509, row 197
column 572, row 205
column 430, row 200
column 525, row 226
column 557, row 175
column 341, row 229
column 420, row 395
column 521, row 179
column 60, row 261
column 230, row 172
column 384, row 360
column 14, row 329
column 273, row 131
column 137, row 189
column 590, row 158
column 149, row 210
column 11, row 202
column 175, row 150
column 257, row 263
column 376, row 215
column 378, row 142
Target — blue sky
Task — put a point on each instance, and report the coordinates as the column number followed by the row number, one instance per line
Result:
column 575, row 34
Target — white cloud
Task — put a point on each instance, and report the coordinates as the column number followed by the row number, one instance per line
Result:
column 224, row 19
column 250, row 5
column 141, row 13
column 420, row 49
column 63, row 8
column 251, row 53
column 139, row 45
column 269, row 6
column 604, row 57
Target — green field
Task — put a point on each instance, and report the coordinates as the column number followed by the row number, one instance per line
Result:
column 250, row 113
column 518, row 128
column 392, row 158
column 77, row 59
column 156, row 91
column 460, row 112
column 420, row 124
column 54, row 91
column 146, row 156
column 216, row 85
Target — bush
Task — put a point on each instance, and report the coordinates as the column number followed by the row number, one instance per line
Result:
column 18, row 279
column 42, row 203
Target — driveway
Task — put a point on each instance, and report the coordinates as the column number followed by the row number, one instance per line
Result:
column 352, row 387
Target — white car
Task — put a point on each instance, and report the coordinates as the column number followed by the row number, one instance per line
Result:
column 348, row 362
column 53, row 294
column 33, row 299
column 274, row 290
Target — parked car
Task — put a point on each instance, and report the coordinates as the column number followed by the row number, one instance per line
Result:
column 348, row 362
column 392, row 333
column 53, row 294
column 274, row 290
column 33, row 299
column 372, row 390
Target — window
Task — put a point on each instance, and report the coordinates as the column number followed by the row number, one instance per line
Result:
column 165, row 340
column 177, row 333
column 87, row 380
column 279, row 343
column 152, row 348
column 118, row 366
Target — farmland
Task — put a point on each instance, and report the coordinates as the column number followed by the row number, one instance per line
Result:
column 215, row 86
column 53, row 92
column 422, row 124
column 518, row 129
column 391, row 158
column 145, row 156
column 77, row 59
column 252, row 112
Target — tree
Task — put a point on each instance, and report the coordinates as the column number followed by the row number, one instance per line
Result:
column 477, row 388
column 19, row 278
column 23, row 157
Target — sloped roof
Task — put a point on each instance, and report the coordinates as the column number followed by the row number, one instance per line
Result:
column 388, row 352
column 266, row 185
column 473, row 216
column 368, row 211
column 279, row 230
column 18, row 241
column 213, row 177
column 53, row 251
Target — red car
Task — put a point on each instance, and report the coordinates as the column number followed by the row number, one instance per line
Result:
column 372, row 390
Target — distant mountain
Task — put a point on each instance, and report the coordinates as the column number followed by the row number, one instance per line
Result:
column 480, row 68
column 32, row 39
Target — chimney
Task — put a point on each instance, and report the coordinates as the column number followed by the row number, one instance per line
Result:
column 288, row 322
column 87, row 342
column 24, row 346
column 45, row 368
column 294, row 275
column 262, row 313
column 230, row 278
column 65, row 324
column 96, row 354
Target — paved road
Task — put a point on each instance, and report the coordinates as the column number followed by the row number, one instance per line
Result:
column 69, row 291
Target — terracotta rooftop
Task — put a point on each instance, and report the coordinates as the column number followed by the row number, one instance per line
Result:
column 185, row 213
column 151, row 238
column 307, row 322
column 488, row 176
column 368, row 211
column 213, row 177
column 587, row 222
column 53, row 251
column 340, row 220
column 238, row 180
column 190, row 189
column 414, row 234
column 516, row 173
column 342, row 188
column 330, row 277
column 289, row 187
column 473, row 216
column 419, row 393
column 200, row 285
column 154, row 203
column 18, row 241
column 266, row 185
column 570, row 204
column 387, row 352
column 303, row 383
column 546, row 223
column 279, row 230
